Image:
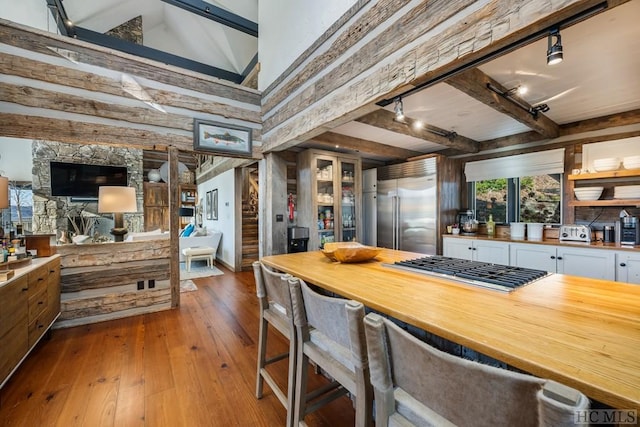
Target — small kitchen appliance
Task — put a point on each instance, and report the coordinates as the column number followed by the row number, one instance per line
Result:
column 629, row 230
column 467, row 222
column 575, row 233
column 297, row 239
column 608, row 234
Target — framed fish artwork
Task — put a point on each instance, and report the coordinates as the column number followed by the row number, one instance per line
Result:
column 221, row 138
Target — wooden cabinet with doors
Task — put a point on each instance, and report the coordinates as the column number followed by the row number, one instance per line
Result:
column 329, row 197
column 156, row 206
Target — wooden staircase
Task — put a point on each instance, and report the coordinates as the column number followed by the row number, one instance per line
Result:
column 250, row 241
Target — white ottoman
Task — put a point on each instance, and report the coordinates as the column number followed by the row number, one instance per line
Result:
column 203, row 252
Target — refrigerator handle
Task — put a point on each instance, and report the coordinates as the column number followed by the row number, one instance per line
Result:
column 398, row 238
column 393, row 222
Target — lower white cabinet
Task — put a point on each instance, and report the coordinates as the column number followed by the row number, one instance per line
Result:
column 539, row 257
column 477, row 250
column 628, row 267
column 576, row 261
column 584, row 262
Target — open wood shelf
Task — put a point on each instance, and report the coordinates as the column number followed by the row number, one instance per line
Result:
column 616, row 202
column 624, row 173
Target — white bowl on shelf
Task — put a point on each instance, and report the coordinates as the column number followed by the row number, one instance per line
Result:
column 631, row 162
column 588, row 193
column 607, row 164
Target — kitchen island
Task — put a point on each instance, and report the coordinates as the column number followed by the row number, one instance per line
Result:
column 584, row 333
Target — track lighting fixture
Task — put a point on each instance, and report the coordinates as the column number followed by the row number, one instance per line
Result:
column 509, row 94
column 554, row 50
column 398, row 109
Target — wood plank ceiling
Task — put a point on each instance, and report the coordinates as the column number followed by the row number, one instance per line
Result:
column 595, row 89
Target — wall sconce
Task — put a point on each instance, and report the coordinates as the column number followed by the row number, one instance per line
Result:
column 554, row 50
column 399, row 109
column 117, row 200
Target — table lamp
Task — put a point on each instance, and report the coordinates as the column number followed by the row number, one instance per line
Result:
column 117, row 200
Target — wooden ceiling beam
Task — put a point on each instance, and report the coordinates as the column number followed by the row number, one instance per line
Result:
column 75, row 78
column 387, row 120
column 39, row 41
column 475, row 83
column 330, row 140
column 599, row 123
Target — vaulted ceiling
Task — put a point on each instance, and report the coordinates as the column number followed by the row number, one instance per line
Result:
column 219, row 38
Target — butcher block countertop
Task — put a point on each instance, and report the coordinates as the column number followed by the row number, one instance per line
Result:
column 584, row 333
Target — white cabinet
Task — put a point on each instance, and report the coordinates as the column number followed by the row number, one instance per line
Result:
column 584, row 262
column 476, row 250
column 539, row 257
column 628, row 267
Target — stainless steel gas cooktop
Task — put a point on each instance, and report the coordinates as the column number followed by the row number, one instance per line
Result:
column 492, row 276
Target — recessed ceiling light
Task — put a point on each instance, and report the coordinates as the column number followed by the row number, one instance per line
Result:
column 522, row 90
column 417, row 124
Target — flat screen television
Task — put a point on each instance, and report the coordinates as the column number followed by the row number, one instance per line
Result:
column 82, row 180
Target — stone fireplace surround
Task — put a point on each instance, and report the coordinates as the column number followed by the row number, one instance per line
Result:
column 50, row 213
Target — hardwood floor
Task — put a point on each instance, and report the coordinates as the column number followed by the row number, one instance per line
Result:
column 193, row 366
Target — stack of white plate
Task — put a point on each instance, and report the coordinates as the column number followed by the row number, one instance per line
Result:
column 627, row 192
column 608, row 164
column 631, row 162
column 588, row 193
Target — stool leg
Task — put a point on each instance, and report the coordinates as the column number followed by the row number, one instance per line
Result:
column 210, row 259
column 188, row 262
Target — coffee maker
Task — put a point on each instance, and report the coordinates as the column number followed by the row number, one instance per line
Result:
column 629, row 230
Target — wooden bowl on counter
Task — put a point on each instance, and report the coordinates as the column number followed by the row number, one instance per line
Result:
column 348, row 252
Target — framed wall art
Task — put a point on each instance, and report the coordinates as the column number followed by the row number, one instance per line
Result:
column 221, row 138
column 212, row 204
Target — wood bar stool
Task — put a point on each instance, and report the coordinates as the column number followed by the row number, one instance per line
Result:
column 330, row 333
column 275, row 309
column 415, row 385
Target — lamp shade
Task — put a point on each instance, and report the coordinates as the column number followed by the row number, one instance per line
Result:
column 4, row 192
column 117, row 199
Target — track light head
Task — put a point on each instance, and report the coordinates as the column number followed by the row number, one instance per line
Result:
column 554, row 50
column 398, row 109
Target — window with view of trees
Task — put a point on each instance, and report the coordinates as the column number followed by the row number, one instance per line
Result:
column 524, row 199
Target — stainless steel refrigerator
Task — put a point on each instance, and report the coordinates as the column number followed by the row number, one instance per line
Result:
column 407, row 206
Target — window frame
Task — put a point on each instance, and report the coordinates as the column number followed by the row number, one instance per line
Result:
column 513, row 199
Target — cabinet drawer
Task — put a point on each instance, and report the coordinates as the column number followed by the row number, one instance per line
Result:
column 37, row 327
column 38, row 279
column 38, row 303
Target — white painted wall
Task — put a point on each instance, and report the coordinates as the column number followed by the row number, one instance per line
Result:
column 226, row 221
column 33, row 13
column 15, row 159
column 287, row 28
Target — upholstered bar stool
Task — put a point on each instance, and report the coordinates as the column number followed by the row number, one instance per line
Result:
column 330, row 333
column 275, row 309
column 415, row 385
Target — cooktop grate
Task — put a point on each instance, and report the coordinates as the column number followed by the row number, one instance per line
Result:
column 494, row 276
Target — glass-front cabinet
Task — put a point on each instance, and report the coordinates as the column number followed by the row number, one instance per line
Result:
column 329, row 197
